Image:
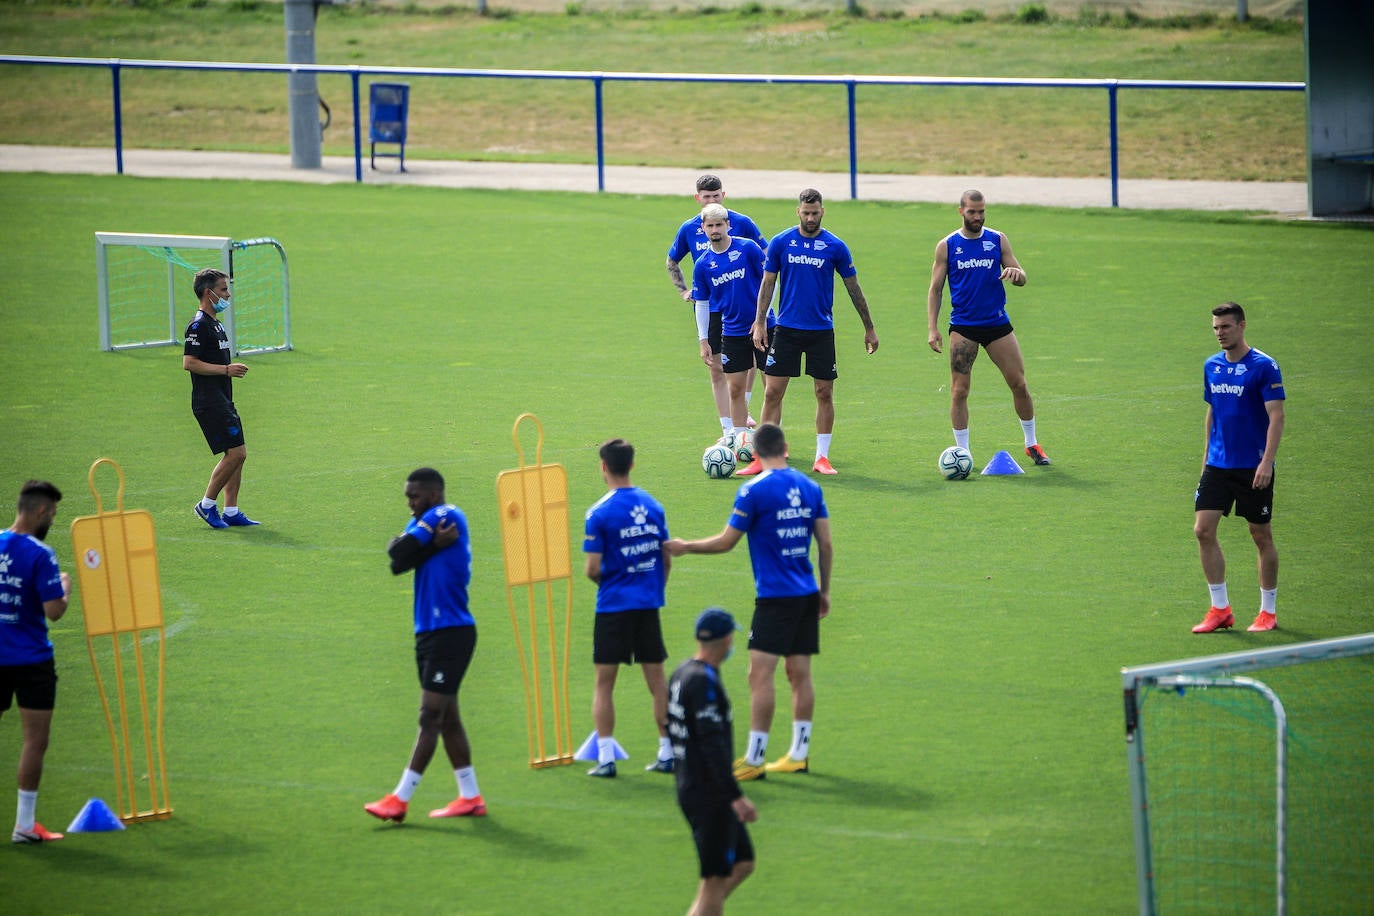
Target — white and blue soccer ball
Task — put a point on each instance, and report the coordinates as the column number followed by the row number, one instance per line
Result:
column 718, row 461
column 741, row 442
column 955, row 463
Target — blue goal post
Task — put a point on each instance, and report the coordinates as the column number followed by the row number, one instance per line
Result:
column 144, row 287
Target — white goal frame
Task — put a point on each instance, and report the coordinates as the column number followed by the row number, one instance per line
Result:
column 1219, row 671
column 226, row 248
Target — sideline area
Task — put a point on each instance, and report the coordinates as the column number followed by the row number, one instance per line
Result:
column 1288, row 198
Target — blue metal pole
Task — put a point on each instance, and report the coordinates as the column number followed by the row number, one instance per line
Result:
column 357, row 133
column 853, row 146
column 600, row 138
column 1116, row 171
column 118, row 119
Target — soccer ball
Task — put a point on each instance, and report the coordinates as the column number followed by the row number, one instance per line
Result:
column 955, row 463
column 718, row 461
column 742, row 443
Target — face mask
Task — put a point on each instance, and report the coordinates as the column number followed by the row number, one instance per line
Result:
column 729, row 652
column 220, row 305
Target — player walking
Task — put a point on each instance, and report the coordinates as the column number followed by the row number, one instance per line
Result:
column 1243, row 389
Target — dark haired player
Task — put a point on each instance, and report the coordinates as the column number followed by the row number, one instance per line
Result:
column 804, row 260
column 975, row 260
column 33, row 591
column 435, row 544
column 1243, row 389
column 691, row 239
column 624, row 533
column 206, row 357
column 781, row 511
column 699, row 722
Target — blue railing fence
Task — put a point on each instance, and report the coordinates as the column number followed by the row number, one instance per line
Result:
column 598, row 80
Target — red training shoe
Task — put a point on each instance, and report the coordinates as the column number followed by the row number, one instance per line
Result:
column 1218, row 618
column 462, row 807
column 388, row 808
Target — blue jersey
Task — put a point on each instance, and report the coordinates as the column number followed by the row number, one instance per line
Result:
column 977, row 297
column 730, row 282
column 627, row 527
column 691, row 239
column 1237, row 393
column 29, row 577
column 778, row 511
column 806, row 271
column 441, row 582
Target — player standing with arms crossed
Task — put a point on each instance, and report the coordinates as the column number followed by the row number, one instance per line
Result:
column 975, row 260
column 781, row 512
column 805, row 259
column 1243, row 389
column 691, row 239
column 33, row 591
column 435, row 544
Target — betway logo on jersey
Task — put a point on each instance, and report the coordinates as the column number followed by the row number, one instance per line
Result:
column 727, row 277
column 1237, row 390
column 973, row 262
column 808, row 260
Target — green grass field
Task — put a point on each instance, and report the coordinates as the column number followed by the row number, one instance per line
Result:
column 968, row 753
column 1232, row 136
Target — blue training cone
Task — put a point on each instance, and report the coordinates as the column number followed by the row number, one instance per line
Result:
column 588, row 750
column 95, row 817
column 1002, row 463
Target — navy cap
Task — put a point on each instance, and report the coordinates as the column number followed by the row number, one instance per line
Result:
column 715, row 623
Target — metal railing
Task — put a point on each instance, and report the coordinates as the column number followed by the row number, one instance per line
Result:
column 598, row 79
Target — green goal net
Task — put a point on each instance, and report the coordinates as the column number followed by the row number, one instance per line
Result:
column 1252, row 780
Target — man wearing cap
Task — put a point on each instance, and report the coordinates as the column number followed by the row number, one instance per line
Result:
column 699, row 724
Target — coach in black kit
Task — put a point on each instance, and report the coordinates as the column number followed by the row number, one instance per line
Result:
column 699, row 724
column 207, row 358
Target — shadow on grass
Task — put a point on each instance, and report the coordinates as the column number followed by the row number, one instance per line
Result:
column 847, row 790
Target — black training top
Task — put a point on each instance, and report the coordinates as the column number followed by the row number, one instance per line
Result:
column 699, row 725
column 207, row 341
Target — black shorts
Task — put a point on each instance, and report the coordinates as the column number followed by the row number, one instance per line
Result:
column 628, row 638
column 713, row 331
column 787, row 626
column 785, row 353
column 442, row 658
column 721, row 839
column 34, row 686
column 981, row 335
column 221, row 425
column 740, row 355
column 1221, row 488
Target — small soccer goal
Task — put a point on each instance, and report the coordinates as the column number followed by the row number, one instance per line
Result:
column 1252, row 779
column 146, row 298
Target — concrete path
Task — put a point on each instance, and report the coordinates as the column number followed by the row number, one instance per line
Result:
column 1287, row 198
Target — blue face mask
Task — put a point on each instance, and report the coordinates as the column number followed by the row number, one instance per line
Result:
column 220, row 305
column 729, row 652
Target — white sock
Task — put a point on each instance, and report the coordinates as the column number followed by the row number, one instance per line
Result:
column 231, row 510
column 28, row 801
column 726, row 424
column 1269, row 598
column 961, row 437
column 758, row 746
column 1028, row 430
column 1219, row 598
column 801, row 740
column 605, row 749
column 207, row 503
column 665, row 749
column 823, row 445
column 410, row 781
column 467, row 782
column 748, row 396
